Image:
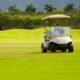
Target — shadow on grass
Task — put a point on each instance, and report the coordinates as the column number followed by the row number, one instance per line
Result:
column 38, row 52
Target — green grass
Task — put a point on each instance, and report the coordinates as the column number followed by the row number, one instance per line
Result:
column 21, row 36
column 21, row 61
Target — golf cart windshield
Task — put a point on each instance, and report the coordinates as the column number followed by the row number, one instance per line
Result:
column 60, row 31
column 57, row 32
column 60, row 28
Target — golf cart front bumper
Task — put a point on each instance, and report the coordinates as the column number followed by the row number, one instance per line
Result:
column 61, row 46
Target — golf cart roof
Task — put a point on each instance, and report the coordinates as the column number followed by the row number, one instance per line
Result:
column 56, row 16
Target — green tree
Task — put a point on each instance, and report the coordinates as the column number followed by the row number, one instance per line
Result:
column 30, row 9
column 79, row 8
column 0, row 10
column 4, row 22
column 48, row 8
column 69, row 7
column 13, row 9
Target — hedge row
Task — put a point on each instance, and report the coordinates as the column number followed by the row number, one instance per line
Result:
column 6, row 22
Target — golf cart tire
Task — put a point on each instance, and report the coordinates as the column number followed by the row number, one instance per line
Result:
column 52, row 47
column 70, row 48
column 44, row 50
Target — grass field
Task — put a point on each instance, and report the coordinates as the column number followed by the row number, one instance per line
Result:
column 21, row 57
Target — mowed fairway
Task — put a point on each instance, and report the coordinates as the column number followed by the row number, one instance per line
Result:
column 21, row 57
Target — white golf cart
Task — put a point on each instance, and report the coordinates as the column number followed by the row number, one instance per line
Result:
column 58, row 37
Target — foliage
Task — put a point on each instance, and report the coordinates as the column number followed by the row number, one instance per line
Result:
column 10, row 20
column 13, row 9
column 48, row 8
column 69, row 7
column 32, row 23
column 30, row 9
column 4, row 22
column 58, row 11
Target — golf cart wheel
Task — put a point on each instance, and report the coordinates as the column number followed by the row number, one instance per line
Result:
column 52, row 47
column 70, row 48
column 44, row 50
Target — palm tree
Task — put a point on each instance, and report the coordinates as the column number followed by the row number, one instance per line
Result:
column 69, row 7
column 48, row 8
column 30, row 9
column 13, row 9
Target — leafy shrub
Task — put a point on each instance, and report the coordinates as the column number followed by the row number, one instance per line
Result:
column 4, row 22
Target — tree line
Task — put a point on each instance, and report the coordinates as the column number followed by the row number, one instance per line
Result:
column 29, row 19
column 69, row 7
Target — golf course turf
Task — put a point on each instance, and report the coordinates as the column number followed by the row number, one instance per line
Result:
column 21, row 57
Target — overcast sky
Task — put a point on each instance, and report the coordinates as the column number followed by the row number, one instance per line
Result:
column 4, row 4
